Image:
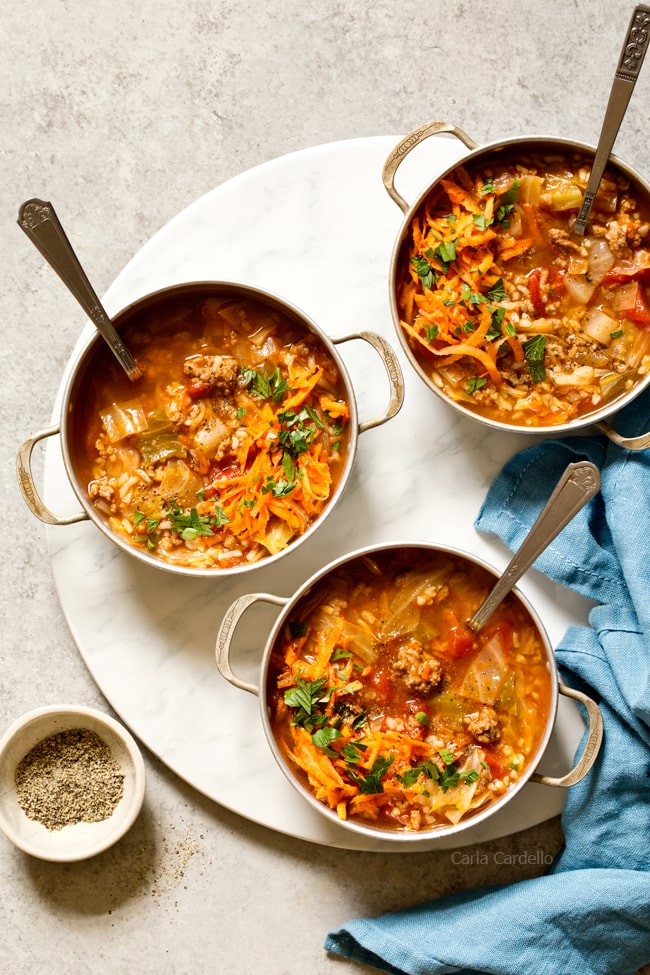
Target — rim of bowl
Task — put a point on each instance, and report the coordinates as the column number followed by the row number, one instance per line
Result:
column 94, row 342
column 606, row 411
column 406, row 836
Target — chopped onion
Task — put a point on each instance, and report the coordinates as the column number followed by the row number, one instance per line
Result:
column 122, row 420
column 581, row 376
column 580, row 290
column 599, row 325
column 601, row 259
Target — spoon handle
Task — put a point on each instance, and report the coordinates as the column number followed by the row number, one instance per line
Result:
column 39, row 221
column 629, row 66
column 577, row 485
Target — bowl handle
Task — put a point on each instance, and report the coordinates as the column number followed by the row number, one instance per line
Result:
column 393, row 369
column 630, row 443
column 592, row 745
column 409, row 142
column 28, row 488
column 226, row 631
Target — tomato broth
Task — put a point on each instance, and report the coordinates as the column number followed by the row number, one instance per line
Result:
column 508, row 313
column 231, row 444
column 389, row 709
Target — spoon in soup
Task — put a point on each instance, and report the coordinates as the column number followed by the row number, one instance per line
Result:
column 579, row 482
column 629, row 66
column 39, row 221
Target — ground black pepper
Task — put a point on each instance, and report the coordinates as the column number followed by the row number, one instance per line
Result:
column 70, row 777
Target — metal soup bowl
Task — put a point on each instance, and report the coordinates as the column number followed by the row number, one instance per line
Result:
column 288, row 605
column 87, row 364
column 482, row 155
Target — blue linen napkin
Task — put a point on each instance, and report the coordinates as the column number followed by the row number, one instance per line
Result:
column 590, row 914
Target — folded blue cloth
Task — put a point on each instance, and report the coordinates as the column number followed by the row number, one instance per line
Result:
column 590, row 914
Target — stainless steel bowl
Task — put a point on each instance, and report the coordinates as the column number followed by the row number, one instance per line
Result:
column 602, row 417
column 223, row 653
column 81, row 376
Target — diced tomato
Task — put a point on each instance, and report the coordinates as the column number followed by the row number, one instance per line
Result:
column 382, row 684
column 630, row 301
column 460, row 639
column 198, row 389
column 556, row 283
column 640, row 313
column 497, row 770
column 536, row 292
column 627, row 271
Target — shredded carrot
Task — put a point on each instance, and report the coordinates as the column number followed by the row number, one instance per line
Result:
column 451, row 295
column 516, row 249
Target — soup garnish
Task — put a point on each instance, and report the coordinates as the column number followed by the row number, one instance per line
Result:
column 231, row 444
column 389, row 709
column 511, row 316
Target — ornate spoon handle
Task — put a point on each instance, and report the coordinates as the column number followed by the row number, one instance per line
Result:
column 577, row 485
column 39, row 221
column 629, row 66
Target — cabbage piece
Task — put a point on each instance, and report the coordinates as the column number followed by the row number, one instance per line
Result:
column 599, row 326
column 601, row 259
column 361, row 641
column 122, row 420
column 567, row 197
column 507, row 700
column 179, row 482
column 579, row 288
column 403, row 613
column 455, row 802
column 159, row 441
column 278, row 536
column 486, row 674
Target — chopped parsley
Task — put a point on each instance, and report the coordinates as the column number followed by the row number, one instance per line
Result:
column 445, row 253
column 475, row 382
column 497, row 292
column 372, row 781
column 323, row 739
column 424, row 271
column 265, row 386
column 189, row 524
column 481, row 221
column 298, row 430
column 279, row 487
column 353, row 752
column 305, row 697
column 534, row 354
column 431, row 332
column 297, row 629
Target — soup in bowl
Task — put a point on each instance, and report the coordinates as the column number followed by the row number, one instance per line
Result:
column 234, row 444
column 503, row 310
column 387, row 712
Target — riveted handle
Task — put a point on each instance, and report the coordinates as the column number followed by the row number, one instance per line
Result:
column 592, row 744
column 28, row 487
column 226, row 632
column 393, row 370
column 641, row 442
column 413, row 139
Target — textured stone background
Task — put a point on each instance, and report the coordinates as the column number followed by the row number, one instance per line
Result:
column 122, row 114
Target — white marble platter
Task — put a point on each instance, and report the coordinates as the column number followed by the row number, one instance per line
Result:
column 317, row 228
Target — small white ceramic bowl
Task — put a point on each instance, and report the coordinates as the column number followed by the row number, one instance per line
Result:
column 76, row 841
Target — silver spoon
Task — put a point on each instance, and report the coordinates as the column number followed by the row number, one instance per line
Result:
column 629, row 66
column 41, row 224
column 577, row 485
